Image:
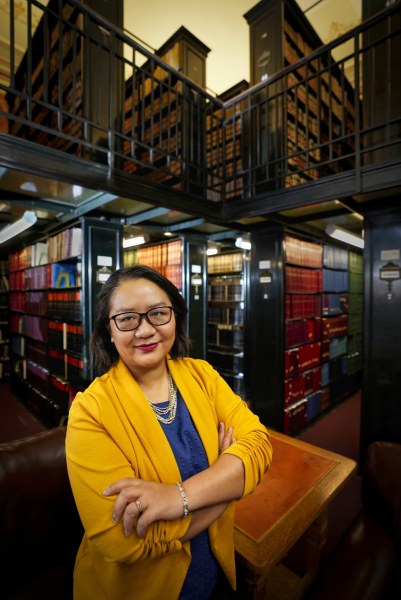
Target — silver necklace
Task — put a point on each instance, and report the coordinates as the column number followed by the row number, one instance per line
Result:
column 162, row 412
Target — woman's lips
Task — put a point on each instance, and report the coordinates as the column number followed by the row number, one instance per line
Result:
column 147, row 347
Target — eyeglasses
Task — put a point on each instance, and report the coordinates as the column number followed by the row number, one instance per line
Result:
column 128, row 321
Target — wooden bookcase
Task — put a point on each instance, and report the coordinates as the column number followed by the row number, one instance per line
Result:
column 227, row 288
column 161, row 117
column 4, row 320
column 49, row 80
column 53, row 285
column 300, row 325
column 317, row 107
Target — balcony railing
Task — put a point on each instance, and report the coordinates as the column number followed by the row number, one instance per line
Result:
column 87, row 89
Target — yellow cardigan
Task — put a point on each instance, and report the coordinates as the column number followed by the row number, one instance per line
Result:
column 113, row 433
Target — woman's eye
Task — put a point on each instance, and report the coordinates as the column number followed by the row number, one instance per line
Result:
column 126, row 319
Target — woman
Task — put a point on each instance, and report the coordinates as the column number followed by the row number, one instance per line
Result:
column 158, row 447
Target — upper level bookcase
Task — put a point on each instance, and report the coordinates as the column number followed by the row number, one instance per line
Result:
column 316, row 106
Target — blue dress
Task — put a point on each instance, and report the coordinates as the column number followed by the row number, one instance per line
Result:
column 191, row 459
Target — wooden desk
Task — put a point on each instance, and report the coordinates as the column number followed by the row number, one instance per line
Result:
column 290, row 502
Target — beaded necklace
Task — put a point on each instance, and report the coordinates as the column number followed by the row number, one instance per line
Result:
column 162, row 412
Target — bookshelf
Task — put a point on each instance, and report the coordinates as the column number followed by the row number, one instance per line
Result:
column 167, row 114
column 304, row 343
column 318, row 105
column 4, row 320
column 52, row 289
column 182, row 261
column 226, row 293
column 52, row 75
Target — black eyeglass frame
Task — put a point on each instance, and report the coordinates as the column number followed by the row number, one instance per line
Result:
column 143, row 315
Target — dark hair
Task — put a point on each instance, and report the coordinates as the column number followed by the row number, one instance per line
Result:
column 103, row 351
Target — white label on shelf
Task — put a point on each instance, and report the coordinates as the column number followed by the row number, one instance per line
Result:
column 390, row 255
column 103, row 277
column 196, row 269
column 266, row 279
column 104, row 261
column 265, row 264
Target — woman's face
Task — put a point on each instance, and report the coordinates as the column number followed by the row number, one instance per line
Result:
column 147, row 346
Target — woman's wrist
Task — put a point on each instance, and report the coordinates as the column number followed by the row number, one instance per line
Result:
column 185, row 505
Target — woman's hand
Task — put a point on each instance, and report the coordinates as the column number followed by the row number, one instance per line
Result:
column 144, row 502
column 225, row 438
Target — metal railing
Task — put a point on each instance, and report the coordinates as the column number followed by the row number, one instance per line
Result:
column 85, row 88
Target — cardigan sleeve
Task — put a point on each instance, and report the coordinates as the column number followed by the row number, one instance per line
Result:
column 94, row 460
column 253, row 446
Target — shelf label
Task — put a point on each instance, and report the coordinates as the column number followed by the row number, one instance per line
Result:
column 390, row 255
column 104, row 261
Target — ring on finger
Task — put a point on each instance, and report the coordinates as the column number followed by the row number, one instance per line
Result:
column 139, row 506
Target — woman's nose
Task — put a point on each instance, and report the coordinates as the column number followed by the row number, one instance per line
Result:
column 144, row 327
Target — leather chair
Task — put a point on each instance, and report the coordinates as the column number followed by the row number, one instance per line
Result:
column 365, row 565
column 40, row 530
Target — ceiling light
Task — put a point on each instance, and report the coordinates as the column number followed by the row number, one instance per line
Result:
column 211, row 250
column 133, row 241
column 27, row 220
column 344, row 236
column 4, row 207
column 28, row 186
column 243, row 243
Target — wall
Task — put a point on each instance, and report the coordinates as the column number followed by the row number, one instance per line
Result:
column 381, row 404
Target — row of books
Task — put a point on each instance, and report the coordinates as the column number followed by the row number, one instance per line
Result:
column 65, row 336
column 335, row 257
column 65, row 306
column 299, row 414
column 335, row 281
column 334, row 369
column 302, row 358
column 36, row 353
column 335, row 304
column 36, row 303
column 300, row 252
column 54, row 275
column 64, row 245
column 334, row 347
column 334, row 326
column 225, row 263
column 301, row 385
column 299, row 306
column 232, row 338
column 65, row 365
column 227, row 315
column 302, row 332
column 225, row 292
column 298, row 279
column 157, row 255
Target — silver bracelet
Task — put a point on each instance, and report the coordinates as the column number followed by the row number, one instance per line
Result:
column 185, row 504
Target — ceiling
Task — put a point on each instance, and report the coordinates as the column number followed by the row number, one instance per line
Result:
column 55, row 201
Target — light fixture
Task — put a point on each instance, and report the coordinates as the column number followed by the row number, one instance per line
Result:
column 133, row 241
column 211, row 250
column 243, row 243
column 344, row 236
column 27, row 220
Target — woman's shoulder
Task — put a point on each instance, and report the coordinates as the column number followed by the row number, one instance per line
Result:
column 195, row 366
